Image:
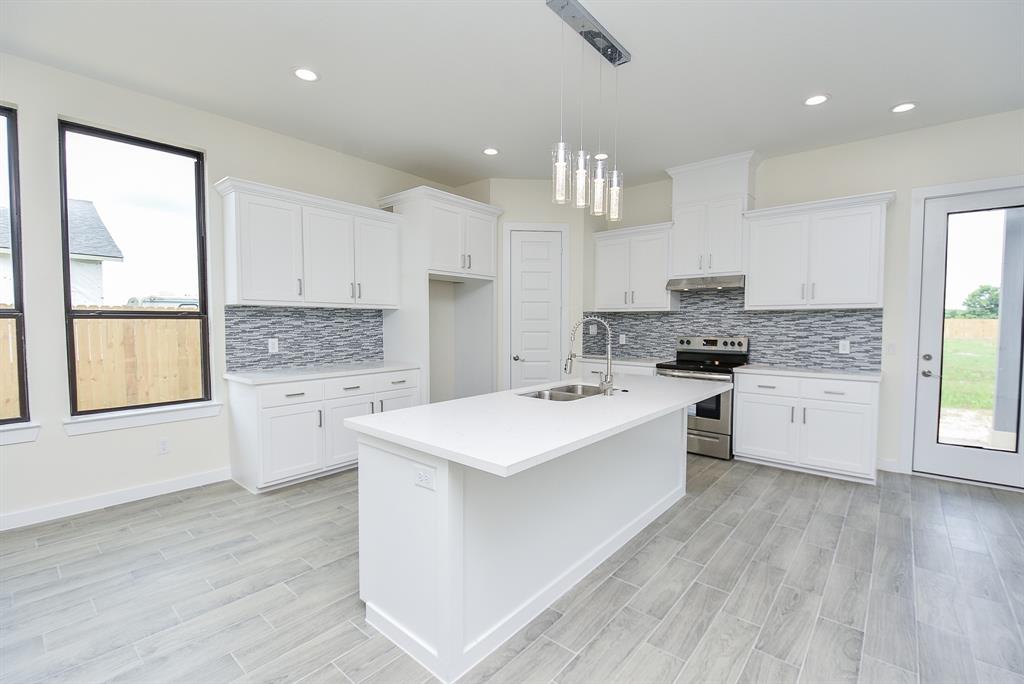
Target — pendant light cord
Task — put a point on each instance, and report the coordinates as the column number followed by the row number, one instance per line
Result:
column 561, row 90
column 615, row 131
column 581, row 94
column 600, row 103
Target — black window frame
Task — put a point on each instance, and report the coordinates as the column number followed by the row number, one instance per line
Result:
column 18, row 312
column 71, row 315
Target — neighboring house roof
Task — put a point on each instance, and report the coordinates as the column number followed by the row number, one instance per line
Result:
column 87, row 233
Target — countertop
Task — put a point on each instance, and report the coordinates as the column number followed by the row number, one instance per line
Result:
column 269, row 377
column 504, row 433
column 763, row 369
column 627, row 361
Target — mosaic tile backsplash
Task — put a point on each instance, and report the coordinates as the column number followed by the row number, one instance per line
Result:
column 306, row 337
column 801, row 339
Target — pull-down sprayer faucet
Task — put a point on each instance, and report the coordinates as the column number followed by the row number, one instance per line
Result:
column 606, row 379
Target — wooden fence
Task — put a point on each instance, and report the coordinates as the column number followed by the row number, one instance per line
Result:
column 9, row 404
column 971, row 329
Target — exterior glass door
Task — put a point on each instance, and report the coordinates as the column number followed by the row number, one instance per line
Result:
column 968, row 414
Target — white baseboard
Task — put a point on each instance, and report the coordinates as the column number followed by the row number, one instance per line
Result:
column 32, row 516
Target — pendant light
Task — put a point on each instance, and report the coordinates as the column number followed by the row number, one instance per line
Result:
column 561, row 157
column 581, row 169
column 599, row 194
column 615, row 183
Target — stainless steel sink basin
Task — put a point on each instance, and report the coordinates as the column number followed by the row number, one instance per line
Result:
column 565, row 393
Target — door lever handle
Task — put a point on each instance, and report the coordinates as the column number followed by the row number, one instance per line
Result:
column 928, row 374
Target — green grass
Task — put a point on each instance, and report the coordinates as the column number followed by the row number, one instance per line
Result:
column 969, row 374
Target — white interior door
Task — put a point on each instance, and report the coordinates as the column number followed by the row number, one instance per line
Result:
column 535, row 303
column 968, row 413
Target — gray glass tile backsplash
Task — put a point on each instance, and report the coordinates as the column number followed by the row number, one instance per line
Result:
column 307, row 337
column 805, row 339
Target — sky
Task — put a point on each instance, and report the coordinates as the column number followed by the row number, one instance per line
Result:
column 974, row 253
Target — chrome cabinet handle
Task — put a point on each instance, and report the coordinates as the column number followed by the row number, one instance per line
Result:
column 469, row 261
column 633, row 295
column 352, row 290
column 373, row 407
column 300, row 285
column 625, row 297
column 319, row 418
column 398, row 382
column 812, row 290
column 296, row 394
column 710, row 255
column 351, row 387
column 792, row 414
column 805, row 415
column 382, row 406
column 700, row 263
column 803, row 290
column 767, row 386
column 463, row 256
column 838, row 394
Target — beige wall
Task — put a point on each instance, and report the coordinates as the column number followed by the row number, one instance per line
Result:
column 58, row 468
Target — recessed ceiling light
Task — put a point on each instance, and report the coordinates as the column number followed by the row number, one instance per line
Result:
column 600, row 156
column 490, row 151
column 903, row 107
column 306, row 74
column 816, row 100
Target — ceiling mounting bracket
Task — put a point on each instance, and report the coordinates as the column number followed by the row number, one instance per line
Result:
column 583, row 22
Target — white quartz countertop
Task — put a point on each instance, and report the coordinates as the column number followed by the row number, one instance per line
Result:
column 269, row 377
column 504, row 433
column 762, row 369
column 628, row 361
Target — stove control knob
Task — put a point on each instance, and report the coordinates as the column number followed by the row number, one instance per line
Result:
column 739, row 344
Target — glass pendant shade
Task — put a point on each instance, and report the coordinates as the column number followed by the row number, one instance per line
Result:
column 599, row 195
column 581, row 180
column 561, row 160
column 615, row 196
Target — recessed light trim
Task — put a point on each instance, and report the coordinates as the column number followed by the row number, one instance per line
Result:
column 903, row 107
column 490, row 151
column 601, row 156
column 815, row 100
column 306, row 74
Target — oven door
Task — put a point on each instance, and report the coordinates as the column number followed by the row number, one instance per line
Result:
column 711, row 415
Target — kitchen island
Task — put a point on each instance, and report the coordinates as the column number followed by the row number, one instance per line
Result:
column 477, row 514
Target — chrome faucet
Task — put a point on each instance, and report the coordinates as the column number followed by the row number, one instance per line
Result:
column 606, row 379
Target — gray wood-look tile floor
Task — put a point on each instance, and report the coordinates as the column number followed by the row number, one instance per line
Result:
column 758, row 575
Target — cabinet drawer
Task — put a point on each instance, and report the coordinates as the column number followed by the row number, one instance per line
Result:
column 350, row 386
column 397, row 380
column 291, row 393
column 767, row 384
column 838, row 390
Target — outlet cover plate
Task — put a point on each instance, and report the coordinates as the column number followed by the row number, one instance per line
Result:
column 844, row 346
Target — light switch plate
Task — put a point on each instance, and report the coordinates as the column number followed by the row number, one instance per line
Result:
column 622, row 339
column 844, row 346
column 423, row 476
column 272, row 346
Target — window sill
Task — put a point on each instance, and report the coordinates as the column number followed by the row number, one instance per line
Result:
column 18, row 433
column 120, row 420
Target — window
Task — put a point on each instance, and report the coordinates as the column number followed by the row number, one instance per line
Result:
column 134, row 271
column 13, row 385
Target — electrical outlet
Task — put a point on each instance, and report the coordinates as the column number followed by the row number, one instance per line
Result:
column 844, row 346
column 593, row 328
column 622, row 339
column 272, row 346
column 424, row 477
column 163, row 446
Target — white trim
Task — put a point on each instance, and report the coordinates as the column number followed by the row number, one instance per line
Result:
column 904, row 462
column 120, row 420
column 612, row 233
column 32, row 516
column 229, row 184
column 749, row 156
column 823, row 205
column 504, row 343
column 18, row 433
column 426, row 192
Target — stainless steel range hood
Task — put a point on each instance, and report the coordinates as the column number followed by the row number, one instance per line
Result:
column 708, row 283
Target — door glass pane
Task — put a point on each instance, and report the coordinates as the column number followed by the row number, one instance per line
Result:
column 981, row 336
column 141, row 361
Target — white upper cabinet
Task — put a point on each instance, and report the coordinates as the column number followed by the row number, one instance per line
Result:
column 458, row 235
column 817, row 255
column 288, row 248
column 708, row 201
column 631, row 269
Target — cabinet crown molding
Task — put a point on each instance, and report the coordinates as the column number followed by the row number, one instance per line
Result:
column 229, row 184
column 751, row 157
column 873, row 198
column 633, row 230
column 426, row 192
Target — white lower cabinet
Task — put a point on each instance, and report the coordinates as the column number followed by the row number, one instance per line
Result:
column 783, row 419
column 294, row 429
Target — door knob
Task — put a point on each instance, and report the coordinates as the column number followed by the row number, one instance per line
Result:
column 516, row 358
column 926, row 373
column 927, row 357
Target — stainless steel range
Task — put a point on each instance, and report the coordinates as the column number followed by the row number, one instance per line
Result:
column 709, row 427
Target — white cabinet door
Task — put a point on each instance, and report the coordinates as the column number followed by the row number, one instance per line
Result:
column 292, row 441
column 445, row 239
column 688, row 240
column 327, row 256
column 777, row 262
column 844, row 257
column 611, row 274
column 376, row 262
column 340, row 442
column 270, row 240
column 648, row 271
column 837, row 436
column 725, row 236
column 479, row 244
column 397, row 399
column 765, row 427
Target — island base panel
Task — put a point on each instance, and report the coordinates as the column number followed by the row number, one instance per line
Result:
column 454, row 561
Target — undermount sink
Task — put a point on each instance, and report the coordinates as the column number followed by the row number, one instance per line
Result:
column 565, row 393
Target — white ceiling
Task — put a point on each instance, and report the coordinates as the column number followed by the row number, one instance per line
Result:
column 424, row 86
